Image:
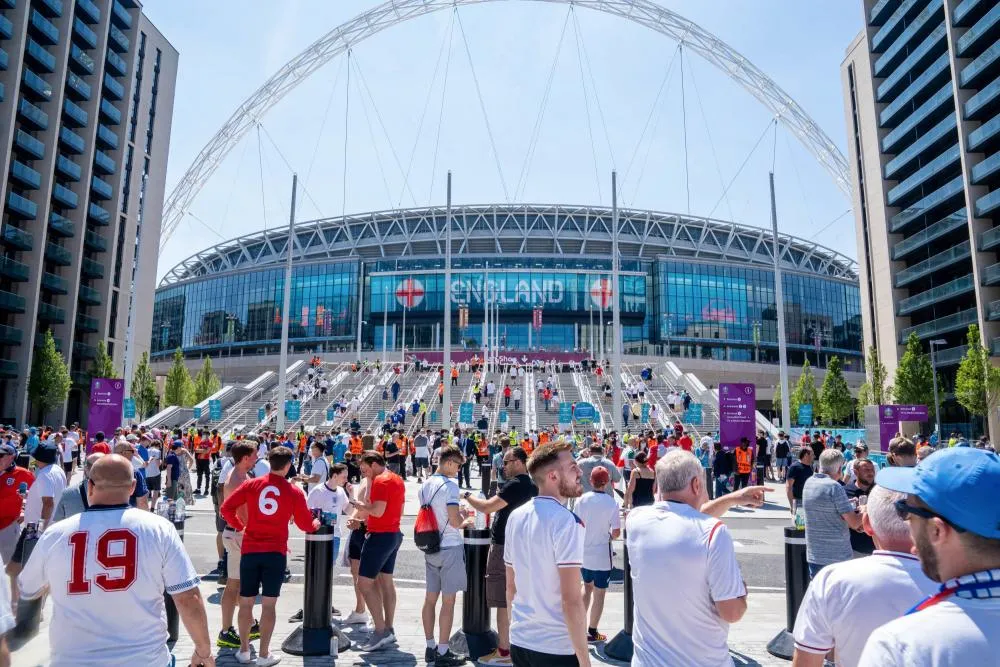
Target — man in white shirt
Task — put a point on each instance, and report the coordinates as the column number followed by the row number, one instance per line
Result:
column 445, row 569
column 847, row 600
column 320, row 468
column 113, row 557
column 599, row 513
column 955, row 525
column 39, row 504
column 686, row 606
column 543, row 554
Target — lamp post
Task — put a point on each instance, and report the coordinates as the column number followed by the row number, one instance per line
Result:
column 937, row 406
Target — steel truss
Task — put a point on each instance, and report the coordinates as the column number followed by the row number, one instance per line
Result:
column 517, row 229
column 644, row 12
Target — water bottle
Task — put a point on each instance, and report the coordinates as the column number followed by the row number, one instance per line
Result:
column 800, row 518
column 161, row 507
column 180, row 514
column 22, row 490
column 172, row 511
column 480, row 520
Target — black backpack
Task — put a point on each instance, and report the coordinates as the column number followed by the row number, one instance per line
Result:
column 426, row 532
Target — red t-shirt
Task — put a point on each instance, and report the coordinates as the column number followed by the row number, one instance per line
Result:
column 685, row 442
column 271, row 502
column 389, row 487
column 100, row 448
column 10, row 502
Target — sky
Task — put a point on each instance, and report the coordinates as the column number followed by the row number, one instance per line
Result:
column 525, row 102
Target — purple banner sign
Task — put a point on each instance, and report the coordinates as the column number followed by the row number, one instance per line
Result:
column 737, row 414
column 888, row 425
column 508, row 357
column 105, row 413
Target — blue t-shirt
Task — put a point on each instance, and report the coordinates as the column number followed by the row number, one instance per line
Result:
column 339, row 450
column 141, row 489
column 143, row 453
column 31, row 443
column 175, row 466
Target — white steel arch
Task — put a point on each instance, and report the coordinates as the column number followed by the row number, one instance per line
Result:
column 643, row 12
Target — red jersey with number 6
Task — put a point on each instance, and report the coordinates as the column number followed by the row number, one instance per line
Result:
column 271, row 503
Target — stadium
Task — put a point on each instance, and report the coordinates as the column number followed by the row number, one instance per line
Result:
column 690, row 288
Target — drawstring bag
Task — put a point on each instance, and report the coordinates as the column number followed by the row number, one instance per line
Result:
column 426, row 532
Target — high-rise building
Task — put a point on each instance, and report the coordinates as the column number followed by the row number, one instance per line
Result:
column 87, row 90
column 922, row 95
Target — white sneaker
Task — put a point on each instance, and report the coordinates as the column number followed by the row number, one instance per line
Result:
column 244, row 657
column 354, row 618
column 268, row 661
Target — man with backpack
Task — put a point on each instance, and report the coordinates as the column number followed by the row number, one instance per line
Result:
column 437, row 534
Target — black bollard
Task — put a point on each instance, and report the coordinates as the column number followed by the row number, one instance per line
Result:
column 475, row 639
column 315, row 634
column 173, row 620
column 796, row 582
column 484, row 471
column 620, row 646
column 709, row 483
column 28, row 619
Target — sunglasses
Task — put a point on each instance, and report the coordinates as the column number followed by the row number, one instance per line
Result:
column 904, row 510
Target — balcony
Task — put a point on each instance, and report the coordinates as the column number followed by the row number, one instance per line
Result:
column 52, row 7
column 8, row 369
column 71, row 141
column 51, row 314
column 80, row 378
column 80, row 61
column 106, row 137
column 64, row 196
column 941, row 325
column 45, row 30
column 33, row 117
column 14, row 270
column 915, row 122
column 88, row 11
column 10, row 335
column 40, row 56
column 987, row 204
column 942, row 133
column 4, row 60
column 15, row 237
column 54, row 284
column 25, row 175
column 946, row 225
column 936, row 168
column 110, row 113
column 6, row 27
column 92, row 269
column 86, row 35
column 61, row 226
column 980, row 35
column 915, row 30
column 932, row 264
column 983, row 103
column 90, row 296
column 84, row 351
column 890, row 14
column 68, row 168
column 986, row 169
column 77, row 86
column 991, row 275
column 104, row 163
column 57, row 254
column 112, row 88
column 120, row 16
column 102, row 189
column 937, row 294
column 936, row 74
column 37, row 85
column 40, row 341
column 21, row 207
column 982, row 136
column 29, row 144
column 98, row 214
column 951, row 356
column 118, row 40
column 94, row 242
column 116, row 64
column 85, row 323
column 917, row 60
column 928, row 204
column 73, row 114
column 11, row 303
column 975, row 73
column 968, row 12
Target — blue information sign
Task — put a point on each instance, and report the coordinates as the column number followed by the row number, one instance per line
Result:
column 330, row 414
column 261, row 413
column 128, row 407
column 293, row 410
column 644, row 413
column 565, row 415
column 584, row 413
column 693, row 414
column 197, row 413
column 805, row 414
column 434, row 415
column 465, row 413
column 215, row 410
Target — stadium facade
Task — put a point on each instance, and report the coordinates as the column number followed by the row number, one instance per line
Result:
column 689, row 287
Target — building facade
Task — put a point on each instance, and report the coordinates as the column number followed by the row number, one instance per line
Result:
column 689, row 287
column 87, row 100
column 922, row 96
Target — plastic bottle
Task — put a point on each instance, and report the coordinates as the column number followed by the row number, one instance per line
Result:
column 480, row 521
column 180, row 515
column 800, row 518
column 171, row 510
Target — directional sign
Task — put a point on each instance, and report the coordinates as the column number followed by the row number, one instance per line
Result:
column 584, row 413
column 197, row 413
column 261, row 413
column 644, row 413
column 128, row 406
column 330, row 414
column 293, row 410
column 805, row 414
column 215, row 410
column 565, row 415
column 693, row 414
column 465, row 413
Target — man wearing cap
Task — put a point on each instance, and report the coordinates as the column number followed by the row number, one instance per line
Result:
column 955, row 524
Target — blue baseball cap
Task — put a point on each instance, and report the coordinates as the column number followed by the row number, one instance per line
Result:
column 958, row 483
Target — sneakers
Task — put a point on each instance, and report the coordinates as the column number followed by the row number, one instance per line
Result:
column 255, row 629
column 296, row 617
column 430, row 654
column 268, row 661
column 494, row 659
column 228, row 639
column 378, row 640
column 449, row 659
column 354, row 618
column 244, row 658
column 595, row 637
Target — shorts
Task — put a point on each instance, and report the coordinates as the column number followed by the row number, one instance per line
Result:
column 525, row 657
column 496, row 578
column 9, row 537
column 233, row 544
column 153, row 483
column 600, row 578
column 420, row 462
column 171, row 492
column 357, row 541
column 378, row 555
column 445, row 571
column 220, row 524
column 261, row 573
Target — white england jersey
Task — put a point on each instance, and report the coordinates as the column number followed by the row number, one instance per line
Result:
column 106, row 570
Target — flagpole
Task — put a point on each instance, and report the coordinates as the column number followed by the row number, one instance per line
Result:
column 446, row 358
column 286, row 304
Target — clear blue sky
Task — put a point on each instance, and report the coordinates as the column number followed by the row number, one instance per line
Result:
column 228, row 48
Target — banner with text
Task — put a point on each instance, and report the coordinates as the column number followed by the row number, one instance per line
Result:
column 105, row 410
column 737, row 413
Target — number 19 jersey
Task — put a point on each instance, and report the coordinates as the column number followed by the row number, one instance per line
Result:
column 106, row 570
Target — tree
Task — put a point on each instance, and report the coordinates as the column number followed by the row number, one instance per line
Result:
column 804, row 393
column 206, row 382
column 914, row 377
column 104, row 366
column 144, row 388
column 977, row 385
column 50, row 382
column 179, row 389
column 864, row 400
column 879, row 392
column 835, row 396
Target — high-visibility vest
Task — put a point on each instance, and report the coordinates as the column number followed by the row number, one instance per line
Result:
column 527, row 445
column 743, row 463
column 356, row 445
column 481, row 448
column 543, row 438
column 454, row 372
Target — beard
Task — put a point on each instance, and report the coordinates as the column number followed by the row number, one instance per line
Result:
column 928, row 557
column 570, row 487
